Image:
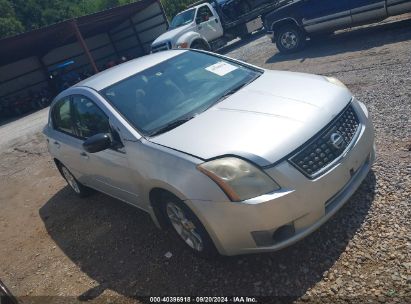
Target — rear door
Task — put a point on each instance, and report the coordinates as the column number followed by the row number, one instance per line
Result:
column 364, row 11
column 208, row 25
column 63, row 141
column 326, row 15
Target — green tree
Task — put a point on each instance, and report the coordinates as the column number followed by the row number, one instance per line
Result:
column 9, row 24
column 17, row 16
column 110, row 3
column 59, row 10
column 28, row 12
column 172, row 7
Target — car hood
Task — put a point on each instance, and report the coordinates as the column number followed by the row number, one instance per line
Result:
column 172, row 35
column 264, row 121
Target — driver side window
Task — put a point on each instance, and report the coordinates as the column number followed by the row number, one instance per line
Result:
column 88, row 118
column 204, row 14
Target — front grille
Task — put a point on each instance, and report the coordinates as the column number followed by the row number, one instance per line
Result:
column 328, row 145
column 161, row 47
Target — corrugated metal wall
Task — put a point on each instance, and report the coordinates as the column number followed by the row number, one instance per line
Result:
column 132, row 39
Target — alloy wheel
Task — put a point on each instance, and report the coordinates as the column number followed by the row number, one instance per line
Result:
column 289, row 40
column 70, row 180
column 185, row 228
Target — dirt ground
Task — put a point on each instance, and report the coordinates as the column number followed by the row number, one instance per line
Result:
column 55, row 247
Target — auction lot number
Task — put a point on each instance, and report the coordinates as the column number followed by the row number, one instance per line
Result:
column 202, row 300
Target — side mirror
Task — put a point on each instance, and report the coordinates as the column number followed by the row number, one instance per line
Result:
column 97, row 143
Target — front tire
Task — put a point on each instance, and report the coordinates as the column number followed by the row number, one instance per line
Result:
column 290, row 39
column 198, row 45
column 188, row 228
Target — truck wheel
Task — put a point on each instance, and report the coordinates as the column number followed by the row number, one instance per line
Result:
column 290, row 39
column 198, row 45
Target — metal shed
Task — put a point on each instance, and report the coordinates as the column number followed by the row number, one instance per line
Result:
column 86, row 44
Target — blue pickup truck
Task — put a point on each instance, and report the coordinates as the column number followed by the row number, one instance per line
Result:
column 295, row 20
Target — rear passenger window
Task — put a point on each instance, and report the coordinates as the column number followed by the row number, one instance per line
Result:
column 88, row 118
column 62, row 116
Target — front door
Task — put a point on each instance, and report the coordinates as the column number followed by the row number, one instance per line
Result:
column 326, row 15
column 107, row 171
column 208, row 25
column 364, row 11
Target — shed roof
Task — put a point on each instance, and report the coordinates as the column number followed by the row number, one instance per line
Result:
column 40, row 41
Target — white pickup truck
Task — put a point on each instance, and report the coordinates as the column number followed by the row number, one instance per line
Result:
column 209, row 25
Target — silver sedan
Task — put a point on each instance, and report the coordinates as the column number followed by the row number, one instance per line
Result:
column 234, row 158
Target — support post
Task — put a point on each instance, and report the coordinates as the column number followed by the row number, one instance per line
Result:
column 83, row 45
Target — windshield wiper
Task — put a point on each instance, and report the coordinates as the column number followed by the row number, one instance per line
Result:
column 171, row 126
column 235, row 89
column 231, row 91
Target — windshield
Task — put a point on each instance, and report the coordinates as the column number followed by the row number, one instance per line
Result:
column 182, row 19
column 176, row 90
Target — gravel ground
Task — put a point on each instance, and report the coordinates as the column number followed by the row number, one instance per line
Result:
column 98, row 249
column 16, row 131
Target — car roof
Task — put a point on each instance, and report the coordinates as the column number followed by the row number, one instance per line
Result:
column 122, row 71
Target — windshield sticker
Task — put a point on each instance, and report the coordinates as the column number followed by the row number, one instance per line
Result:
column 221, row 68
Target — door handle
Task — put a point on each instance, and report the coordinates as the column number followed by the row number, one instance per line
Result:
column 57, row 144
column 84, row 155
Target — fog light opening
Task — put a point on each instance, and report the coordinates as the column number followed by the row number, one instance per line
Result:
column 283, row 233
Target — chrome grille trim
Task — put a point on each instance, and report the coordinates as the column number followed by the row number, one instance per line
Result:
column 161, row 47
column 318, row 155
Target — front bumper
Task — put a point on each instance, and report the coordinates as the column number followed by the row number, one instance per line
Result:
column 277, row 220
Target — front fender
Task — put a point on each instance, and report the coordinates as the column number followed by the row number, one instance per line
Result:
column 171, row 170
column 185, row 186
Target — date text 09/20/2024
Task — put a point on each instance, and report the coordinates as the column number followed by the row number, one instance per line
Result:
column 198, row 299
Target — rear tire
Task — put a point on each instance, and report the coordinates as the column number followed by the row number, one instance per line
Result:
column 290, row 39
column 78, row 188
column 187, row 227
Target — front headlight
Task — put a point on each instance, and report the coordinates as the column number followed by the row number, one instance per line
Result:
column 336, row 82
column 239, row 179
column 182, row 45
column 363, row 107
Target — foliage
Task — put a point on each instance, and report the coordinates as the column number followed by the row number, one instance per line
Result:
column 17, row 16
column 172, row 7
column 9, row 24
